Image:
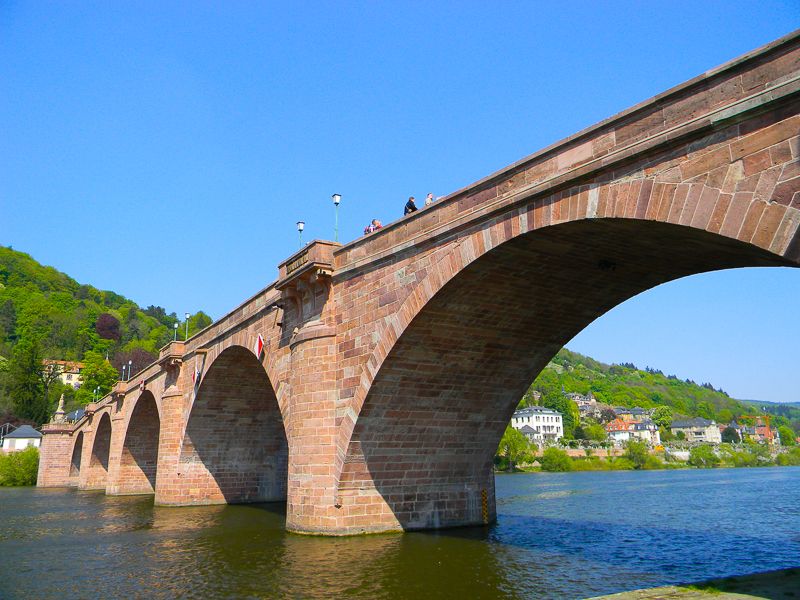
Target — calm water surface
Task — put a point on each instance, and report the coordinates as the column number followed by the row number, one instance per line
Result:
column 557, row 536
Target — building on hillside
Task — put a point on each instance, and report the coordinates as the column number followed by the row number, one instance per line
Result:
column 631, row 415
column 22, row 437
column 697, row 430
column 647, row 431
column 547, row 424
column 620, row 431
column 69, row 371
column 762, row 434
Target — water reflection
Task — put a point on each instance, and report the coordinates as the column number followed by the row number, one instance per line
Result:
column 557, row 536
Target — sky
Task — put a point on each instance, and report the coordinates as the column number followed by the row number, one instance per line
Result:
column 165, row 150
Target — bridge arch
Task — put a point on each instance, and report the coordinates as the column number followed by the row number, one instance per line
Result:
column 457, row 355
column 97, row 469
column 234, row 448
column 139, row 457
column 75, row 461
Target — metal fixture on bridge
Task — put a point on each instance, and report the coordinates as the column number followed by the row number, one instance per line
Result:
column 300, row 226
column 337, row 198
column 175, row 327
column 130, row 368
column 186, row 335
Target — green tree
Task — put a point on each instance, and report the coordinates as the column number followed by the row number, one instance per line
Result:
column 703, row 457
column 662, row 416
column 97, row 373
column 555, row 460
column 515, row 448
column 730, row 436
column 637, row 452
column 787, row 435
column 24, row 381
column 595, row 432
column 570, row 414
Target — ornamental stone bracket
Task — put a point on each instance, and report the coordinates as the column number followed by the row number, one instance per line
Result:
column 171, row 356
column 304, row 280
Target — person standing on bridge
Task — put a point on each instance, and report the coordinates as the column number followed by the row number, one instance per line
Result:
column 429, row 199
column 410, row 206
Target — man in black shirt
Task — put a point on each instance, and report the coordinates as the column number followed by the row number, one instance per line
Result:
column 410, row 206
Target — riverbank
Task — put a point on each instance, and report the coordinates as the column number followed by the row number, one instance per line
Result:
column 775, row 585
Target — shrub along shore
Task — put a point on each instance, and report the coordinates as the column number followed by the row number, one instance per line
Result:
column 19, row 468
column 637, row 456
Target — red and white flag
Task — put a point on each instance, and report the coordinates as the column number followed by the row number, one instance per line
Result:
column 259, row 346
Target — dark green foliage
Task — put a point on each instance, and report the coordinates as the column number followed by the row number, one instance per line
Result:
column 20, row 467
column 730, row 436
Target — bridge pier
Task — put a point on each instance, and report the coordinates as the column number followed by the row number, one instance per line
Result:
column 55, row 455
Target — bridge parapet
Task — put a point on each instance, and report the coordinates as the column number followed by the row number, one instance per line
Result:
column 757, row 81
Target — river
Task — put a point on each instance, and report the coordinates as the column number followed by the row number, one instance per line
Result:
column 568, row 535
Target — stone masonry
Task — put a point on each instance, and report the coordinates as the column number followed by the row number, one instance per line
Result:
column 391, row 365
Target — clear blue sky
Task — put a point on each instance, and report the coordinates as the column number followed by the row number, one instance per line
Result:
column 165, row 150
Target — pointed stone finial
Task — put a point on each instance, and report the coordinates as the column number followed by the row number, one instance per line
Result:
column 60, row 416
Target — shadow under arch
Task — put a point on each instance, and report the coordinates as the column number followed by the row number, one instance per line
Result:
column 438, row 405
column 137, row 467
column 234, row 449
column 75, row 461
column 97, row 476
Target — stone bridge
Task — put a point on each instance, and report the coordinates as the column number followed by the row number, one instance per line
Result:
column 391, row 365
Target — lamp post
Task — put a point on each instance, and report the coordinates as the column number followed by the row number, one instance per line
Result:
column 124, row 366
column 336, row 199
column 175, row 327
column 96, row 394
column 300, row 226
column 130, row 368
column 186, row 336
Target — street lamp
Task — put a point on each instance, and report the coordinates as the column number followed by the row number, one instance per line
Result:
column 336, row 199
column 300, row 226
column 124, row 366
column 130, row 368
column 186, row 336
column 175, row 327
column 96, row 393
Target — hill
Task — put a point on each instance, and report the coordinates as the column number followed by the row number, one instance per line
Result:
column 44, row 313
column 628, row 386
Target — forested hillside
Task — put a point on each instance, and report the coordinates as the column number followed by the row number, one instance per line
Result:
column 626, row 385
column 45, row 314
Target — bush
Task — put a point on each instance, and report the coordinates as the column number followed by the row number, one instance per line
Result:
column 554, row 459
column 652, row 463
column 703, row 457
column 789, row 459
column 19, row 468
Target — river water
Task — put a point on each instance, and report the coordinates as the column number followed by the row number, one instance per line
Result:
column 568, row 535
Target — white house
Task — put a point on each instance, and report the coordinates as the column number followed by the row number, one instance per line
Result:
column 22, row 437
column 547, row 424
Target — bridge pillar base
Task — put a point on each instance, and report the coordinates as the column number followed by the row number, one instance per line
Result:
column 55, row 453
column 364, row 511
